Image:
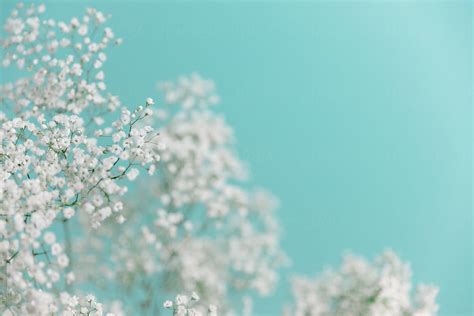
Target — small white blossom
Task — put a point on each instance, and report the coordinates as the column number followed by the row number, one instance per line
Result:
column 68, row 212
column 132, row 174
column 150, row 101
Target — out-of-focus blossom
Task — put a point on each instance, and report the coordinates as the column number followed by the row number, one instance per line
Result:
column 196, row 228
column 360, row 287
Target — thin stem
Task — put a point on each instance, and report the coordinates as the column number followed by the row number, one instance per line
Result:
column 68, row 246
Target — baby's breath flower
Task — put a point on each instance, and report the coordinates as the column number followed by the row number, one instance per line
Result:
column 199, row 194
column 195, row 296
column 360, row 287
column 150, row 101
column 57, row 167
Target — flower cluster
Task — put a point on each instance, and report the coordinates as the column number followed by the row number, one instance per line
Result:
column 183, row 306
column 44, row 303
column 204, row 231
column 86, row 305
column 199, row 163
column 190, row 92
column 53, row 165
column 63, row 61
column 360, row 287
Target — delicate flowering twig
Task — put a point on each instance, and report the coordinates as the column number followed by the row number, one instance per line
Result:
column 53, row 166
column 208, row 235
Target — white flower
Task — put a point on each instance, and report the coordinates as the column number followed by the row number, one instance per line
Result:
column 70, row 277
column 120, row 219
column 82, row 30
column 132, row 174
column 181, row 299
column 195, row 296
column 100, row 75
column 150, row 101
column 63, row 260
column 56, row 249
column 68, row 212
column 49, row 238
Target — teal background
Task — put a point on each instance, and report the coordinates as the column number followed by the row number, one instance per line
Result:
column 357, row 114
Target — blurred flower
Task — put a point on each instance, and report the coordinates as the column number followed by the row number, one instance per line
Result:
column 360, row 287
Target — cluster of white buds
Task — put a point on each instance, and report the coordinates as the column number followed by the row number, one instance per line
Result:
column 359, row 287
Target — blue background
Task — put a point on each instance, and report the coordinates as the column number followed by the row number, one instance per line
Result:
column 356, row 114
